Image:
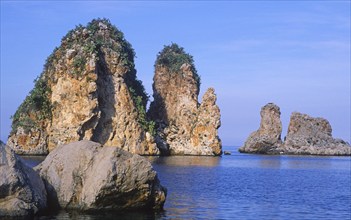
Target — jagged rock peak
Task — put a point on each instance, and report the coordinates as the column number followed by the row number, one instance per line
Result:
column 87, row 91
column 184, row 126
column 268, row 136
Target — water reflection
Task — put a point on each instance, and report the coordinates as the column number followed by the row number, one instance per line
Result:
column 186, row 161
column 271, row 163
column 68, row 215
column 294, row 162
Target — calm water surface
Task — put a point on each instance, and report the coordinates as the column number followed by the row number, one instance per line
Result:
column 244, row 186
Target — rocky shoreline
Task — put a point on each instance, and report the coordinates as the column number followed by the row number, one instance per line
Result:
column 306, row 136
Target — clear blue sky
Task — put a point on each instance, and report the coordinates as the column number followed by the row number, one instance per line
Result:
column 293, row 53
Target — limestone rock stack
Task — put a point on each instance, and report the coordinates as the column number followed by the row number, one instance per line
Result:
column 306, row 135
column 184, row 126
column 87, row 91
column 268, row 137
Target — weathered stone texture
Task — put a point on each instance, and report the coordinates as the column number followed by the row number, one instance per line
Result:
column 91, row 84
column 268, row 137
column 308, row 135
column 86, row 176
column 22, row 192
column 185, row 127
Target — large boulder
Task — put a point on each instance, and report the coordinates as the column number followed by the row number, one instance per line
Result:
column 22, row 192
column 184, row 126
column 309, row 135
column 267, row 139
column 86, row 176
column 87, row 91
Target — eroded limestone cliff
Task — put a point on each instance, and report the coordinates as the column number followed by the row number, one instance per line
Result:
column 87, row 91
column 184, row 126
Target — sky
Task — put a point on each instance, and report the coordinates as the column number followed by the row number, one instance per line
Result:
column 295, row 54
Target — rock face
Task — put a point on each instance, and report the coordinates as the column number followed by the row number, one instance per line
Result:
column 308, row 135
column 22, row 192
column 86, row 176
column 268, row 137
column 87, row 91
column 185, row 127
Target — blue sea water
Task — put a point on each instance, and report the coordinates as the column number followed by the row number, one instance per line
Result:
column 246, row 186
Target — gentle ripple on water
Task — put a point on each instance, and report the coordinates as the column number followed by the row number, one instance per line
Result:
column 242, row 186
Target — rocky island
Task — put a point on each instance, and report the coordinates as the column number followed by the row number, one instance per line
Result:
column 306, row 135
column 89, row 90
column 184, row 126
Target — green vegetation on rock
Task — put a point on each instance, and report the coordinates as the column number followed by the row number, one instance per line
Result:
column 173, row 57
column 144, row 121
column 35, row 108
column 83, row 43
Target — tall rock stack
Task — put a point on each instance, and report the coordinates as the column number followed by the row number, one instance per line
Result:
column 184, row 126
column 268, row 137
column 87, row 91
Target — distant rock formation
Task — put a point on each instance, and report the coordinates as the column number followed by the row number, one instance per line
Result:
column 185, row 127
column 86, row 176
column 22, row 192
column 87, row 91
column 268, row 137
column 306, row 135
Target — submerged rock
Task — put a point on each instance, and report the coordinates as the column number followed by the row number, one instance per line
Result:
column 227, row 153
column 87, row 91
column 308, row 135
column 185, row 127
column 22, row 192
column 86, row 176
column 268, row 137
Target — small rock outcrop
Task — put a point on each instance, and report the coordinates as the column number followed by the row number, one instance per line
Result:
column 184, row 127
column 86, row 176
column 308, row 135
column 22, row 192
column 268, row 137
column 87, row 91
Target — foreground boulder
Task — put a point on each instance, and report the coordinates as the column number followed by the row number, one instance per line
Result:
column 185, row 127
column 87, row 91
column 22, row 192
column 267, row 139
column 308, row 135
column 86, row 176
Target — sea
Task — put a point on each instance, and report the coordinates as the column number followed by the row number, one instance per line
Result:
column 244, row 186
